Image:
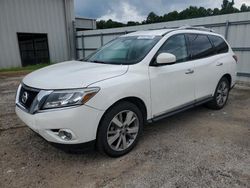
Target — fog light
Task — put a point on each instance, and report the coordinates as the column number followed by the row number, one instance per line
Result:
column 65, row 135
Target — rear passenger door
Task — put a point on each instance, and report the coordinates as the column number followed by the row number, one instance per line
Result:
column 206, row 72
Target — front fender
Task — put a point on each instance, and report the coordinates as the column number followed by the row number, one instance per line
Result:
column 115, row 89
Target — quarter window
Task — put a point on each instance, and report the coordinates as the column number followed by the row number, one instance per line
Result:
column 219, row 44
column 176, row 45
column 200, row 46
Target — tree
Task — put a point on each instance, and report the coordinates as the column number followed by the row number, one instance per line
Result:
column 152, row 18
column 210, row 12
column 102, row 24
column 244, row 8
column 171, row 16
column 190, row 12
column 225, row 4
column 111, row 24
column 228, row 7
column 131, row 23
column 216, row 11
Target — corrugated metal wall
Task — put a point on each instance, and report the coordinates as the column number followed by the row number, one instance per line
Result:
column 235, row 27
column 35, row 16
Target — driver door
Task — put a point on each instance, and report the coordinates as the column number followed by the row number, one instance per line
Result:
column 172, row 86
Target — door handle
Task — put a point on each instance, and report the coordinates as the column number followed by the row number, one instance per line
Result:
column 189, row 71
column 219, row 64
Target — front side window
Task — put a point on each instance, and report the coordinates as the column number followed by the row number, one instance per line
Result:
column 176, row 45
column 124, row 50
column 219, row 44
column 200, row 46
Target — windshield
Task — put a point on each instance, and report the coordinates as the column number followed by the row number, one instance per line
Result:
column 124, row 50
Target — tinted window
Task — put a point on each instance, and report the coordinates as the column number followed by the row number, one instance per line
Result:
column 219, row 44
column 176, row 45
column 200, row 46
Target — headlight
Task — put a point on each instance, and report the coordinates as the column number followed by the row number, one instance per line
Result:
column 65, row 98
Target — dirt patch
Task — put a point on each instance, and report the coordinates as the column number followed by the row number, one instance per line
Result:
column 196, row 148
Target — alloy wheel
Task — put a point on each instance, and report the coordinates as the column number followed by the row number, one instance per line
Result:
column 123, row 130
column 222, row 93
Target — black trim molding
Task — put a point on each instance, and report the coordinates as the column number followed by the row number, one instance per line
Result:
column 75, row 148
column 243, row 74
column 181, row 108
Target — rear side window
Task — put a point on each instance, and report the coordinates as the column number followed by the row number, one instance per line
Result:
column 176, row 45
column 200, row 46
column 219, row 44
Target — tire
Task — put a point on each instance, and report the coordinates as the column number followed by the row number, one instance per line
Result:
column 221, row 95
column 119, row 130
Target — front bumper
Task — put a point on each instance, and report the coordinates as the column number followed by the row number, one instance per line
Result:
column 82, row 121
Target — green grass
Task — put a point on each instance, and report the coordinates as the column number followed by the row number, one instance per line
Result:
column 27, row 68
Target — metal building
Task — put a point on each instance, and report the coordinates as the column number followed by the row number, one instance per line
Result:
column 235, row 28
column 38, row 31
column 35, row 31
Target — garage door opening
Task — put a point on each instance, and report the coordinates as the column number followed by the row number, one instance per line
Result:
column 34, row 48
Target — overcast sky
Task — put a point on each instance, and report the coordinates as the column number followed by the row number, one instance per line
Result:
column 137, row 10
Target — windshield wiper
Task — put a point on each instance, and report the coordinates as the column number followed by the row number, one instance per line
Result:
column 97, row 61
column 109, row 63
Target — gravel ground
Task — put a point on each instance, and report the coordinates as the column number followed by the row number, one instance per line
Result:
column 196, row 148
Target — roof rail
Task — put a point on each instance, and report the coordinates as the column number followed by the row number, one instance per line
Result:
column 200, row 28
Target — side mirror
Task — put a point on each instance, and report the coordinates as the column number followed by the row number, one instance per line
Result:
column 165, row 58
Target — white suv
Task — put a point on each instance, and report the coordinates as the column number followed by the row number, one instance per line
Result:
column 137, row 78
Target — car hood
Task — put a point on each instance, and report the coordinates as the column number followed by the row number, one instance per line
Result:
column 72, row 74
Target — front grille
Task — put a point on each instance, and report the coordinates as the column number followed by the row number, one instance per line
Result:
column 27, row 96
